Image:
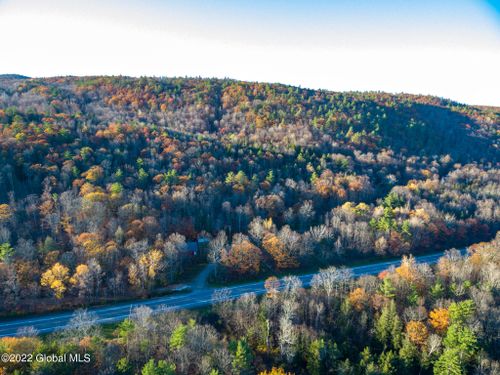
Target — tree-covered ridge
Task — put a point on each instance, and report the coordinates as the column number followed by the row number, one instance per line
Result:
column 410, row 319
column 103, row 180
column 220, row 106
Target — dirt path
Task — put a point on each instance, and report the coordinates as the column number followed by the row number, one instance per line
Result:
column 200, row 281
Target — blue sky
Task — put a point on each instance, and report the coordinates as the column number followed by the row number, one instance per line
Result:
column 444, row 48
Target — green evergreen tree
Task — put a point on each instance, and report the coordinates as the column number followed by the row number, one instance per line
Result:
column 123, row 366
column 437, row 290
column 162, row 368
column 178, row 336
column 314, row 177
column 367, row 364
column 405, row 229
column 392, row 201
column 315, row 356
column 409, row 355
column 461, row 312
column 124, row 329
column 270, row 177
column 388, row 327
column 345, row 368
column 396, row 332
column 413, row 296
column 449, row 363
column 463, row 339
column 116, row 188
column 6, row 251
column 332, row 355
column 170, row 177
column 229, row 178
column 143, row 176
column 387, row 289
column 242, row 359
column 387, row 363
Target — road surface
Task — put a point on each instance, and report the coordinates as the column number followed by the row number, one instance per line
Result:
column 196, row 298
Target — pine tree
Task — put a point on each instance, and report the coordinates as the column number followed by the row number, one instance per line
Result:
column 243, row 357
column 461, row 312
column 124, row 329
column 396, row 332
column 178, row 336
column 413, row 296
column 162, row 368
column 388, row 328
column 332, row 354
column 270, row 177
column 387, row 363
column 123, row 366
column 437, row 290
column 387, row 288
column 345, row 368
column 409, row 355
column 366, row 363
column 462, row 339
column 314, row 356
column 6, row 251
column 449, row 363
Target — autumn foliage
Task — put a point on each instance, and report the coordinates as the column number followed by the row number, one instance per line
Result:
column 417, row 332
column 243, row 258
column 116, row 179
column 439, row 319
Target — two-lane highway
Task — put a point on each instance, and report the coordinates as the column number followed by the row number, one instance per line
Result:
column 197, row 298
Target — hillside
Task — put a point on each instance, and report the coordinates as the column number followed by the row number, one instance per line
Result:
column 103, row 180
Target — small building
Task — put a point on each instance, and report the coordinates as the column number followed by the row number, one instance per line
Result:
column 197, row 248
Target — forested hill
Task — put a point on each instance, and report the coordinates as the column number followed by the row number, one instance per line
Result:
column 116, row 173
column 268, row 116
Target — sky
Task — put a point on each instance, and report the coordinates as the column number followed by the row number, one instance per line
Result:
column 448, row 48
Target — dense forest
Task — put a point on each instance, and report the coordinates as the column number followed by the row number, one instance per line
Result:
column 106, row 182
column 412, row 319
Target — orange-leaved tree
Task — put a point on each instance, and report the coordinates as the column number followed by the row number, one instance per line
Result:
column 276, row 248
column 243, row 258
column 417, row 332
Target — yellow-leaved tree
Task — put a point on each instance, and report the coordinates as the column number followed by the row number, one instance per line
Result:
column 358, row 299
column 439, row 319
column 56, row 278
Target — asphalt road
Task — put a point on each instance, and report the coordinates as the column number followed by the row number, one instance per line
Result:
column 196, row 298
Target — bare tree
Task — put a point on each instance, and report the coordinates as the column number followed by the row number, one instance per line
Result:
column 29, row 331
column 287, row 337
column 82, row 324
column 331, row 281
column 291, row 286
column 216, row 247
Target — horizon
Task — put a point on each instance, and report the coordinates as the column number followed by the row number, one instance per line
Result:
column 447, row 49
column 244, row 81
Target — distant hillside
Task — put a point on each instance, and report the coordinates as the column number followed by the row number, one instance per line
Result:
column 13, row 76
column 279, row 117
